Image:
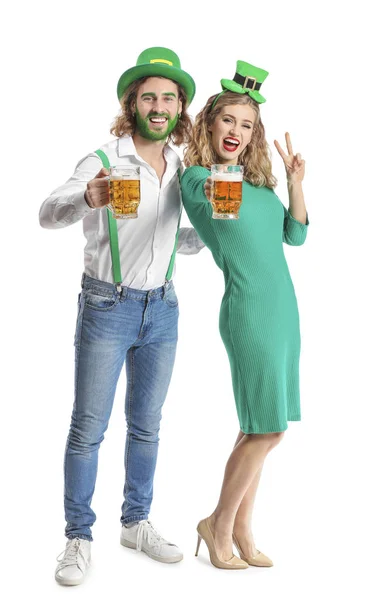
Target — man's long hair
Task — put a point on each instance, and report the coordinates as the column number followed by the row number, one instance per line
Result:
column 255, row 157
column 125, row 123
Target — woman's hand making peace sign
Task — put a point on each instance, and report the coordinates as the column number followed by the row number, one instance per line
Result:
column 294, row 164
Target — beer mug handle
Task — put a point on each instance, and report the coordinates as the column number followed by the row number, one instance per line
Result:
column 107, row 177
column 211, row 189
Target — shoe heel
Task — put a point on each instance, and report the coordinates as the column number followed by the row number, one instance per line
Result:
column 198, row 545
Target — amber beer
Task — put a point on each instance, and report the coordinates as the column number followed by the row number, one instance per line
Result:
column 226, row 197
column 124, row 192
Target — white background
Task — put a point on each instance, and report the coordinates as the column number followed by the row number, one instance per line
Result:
column 61, row 64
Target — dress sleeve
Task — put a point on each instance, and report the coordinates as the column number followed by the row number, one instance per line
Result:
column 192, row 188
column 294, row 232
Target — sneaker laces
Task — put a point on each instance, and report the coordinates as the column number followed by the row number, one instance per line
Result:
column 71, row 555
column 148, row 532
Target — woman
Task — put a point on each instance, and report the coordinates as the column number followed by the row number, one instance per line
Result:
column 259, row 321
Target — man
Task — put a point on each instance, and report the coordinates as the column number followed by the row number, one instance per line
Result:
column 134, row 319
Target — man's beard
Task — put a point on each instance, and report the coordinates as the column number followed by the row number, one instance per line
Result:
column 147, row 133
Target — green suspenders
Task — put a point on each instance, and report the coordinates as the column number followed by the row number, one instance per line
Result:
column 113, row 236
column 113, row 232
column 172, row 259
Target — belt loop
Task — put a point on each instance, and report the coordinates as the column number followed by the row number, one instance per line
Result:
column 83, row 279
column 119, row 288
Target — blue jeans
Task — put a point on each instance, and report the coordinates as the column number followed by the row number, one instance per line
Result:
column 141, row 328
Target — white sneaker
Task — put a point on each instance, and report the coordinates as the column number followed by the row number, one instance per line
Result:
column 72, row 567
column 144, row 537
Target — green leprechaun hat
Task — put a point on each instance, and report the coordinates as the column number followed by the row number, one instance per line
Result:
column 157, row 62
column 247, row 80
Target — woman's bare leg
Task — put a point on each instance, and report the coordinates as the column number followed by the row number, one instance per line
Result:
column 243, row 522
column 244, row 464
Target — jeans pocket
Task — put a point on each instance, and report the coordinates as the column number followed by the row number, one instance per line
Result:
column 100, row 300
column 170, row 297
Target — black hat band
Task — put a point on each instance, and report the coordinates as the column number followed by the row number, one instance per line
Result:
column 247, row 82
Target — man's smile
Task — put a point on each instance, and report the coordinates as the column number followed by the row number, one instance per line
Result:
column 158, row 120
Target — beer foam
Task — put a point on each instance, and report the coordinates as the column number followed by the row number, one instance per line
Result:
column 227, row 177
column 123, row 177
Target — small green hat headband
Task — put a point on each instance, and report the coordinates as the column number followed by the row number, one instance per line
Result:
column 247, row 80
column 158, row 62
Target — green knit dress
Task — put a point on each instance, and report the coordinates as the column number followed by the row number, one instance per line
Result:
column 259, row 321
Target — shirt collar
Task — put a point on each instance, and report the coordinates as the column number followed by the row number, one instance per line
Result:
column 126, row 147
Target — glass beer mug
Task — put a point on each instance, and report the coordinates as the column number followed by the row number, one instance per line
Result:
column 124, row 192
column 226, row 196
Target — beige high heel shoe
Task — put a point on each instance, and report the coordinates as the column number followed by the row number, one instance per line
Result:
column 260, row 560
column 205, row 532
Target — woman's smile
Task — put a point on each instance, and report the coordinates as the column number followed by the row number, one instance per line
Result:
column 231, row 144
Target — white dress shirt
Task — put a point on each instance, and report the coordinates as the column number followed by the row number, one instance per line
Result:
column 145, row 243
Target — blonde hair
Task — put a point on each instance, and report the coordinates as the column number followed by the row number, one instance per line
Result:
column 255, row 157
column 125, row 122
